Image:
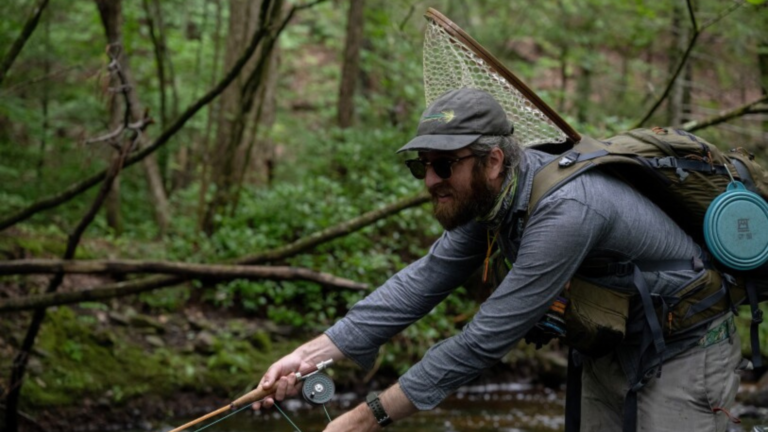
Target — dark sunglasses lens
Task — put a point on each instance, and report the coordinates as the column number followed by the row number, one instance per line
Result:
column 442, row 168
column 417, row 167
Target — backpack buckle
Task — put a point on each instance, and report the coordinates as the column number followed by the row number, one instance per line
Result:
column 569, row 159
column 757, row 316
column 666, row 162
column 624, row 268
column 730, row 280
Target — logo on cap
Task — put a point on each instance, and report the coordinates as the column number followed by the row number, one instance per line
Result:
column 443, row 117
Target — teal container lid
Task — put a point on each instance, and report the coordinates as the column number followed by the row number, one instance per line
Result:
column 736, row 228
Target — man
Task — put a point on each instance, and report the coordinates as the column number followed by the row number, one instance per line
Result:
column 480, row 182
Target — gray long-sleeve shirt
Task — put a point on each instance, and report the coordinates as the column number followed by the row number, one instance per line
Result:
column 592, row 215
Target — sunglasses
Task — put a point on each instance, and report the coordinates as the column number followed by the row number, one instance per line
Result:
column 442, row 166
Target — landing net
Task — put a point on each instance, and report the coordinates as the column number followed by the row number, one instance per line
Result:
column 452, row 60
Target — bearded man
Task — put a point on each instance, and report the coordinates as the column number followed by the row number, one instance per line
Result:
column 481, row 182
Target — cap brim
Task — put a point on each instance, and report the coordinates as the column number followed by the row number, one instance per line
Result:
column 439, row 142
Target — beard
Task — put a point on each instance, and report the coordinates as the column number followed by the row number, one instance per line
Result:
column 466, row 205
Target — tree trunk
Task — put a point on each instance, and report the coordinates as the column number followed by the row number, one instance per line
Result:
column 621, row 92
column 151, row 14
column 184, row 174
column 351, row 64
column 232, row 139
column 243, row 19
column 46, row 97
column 563, row 77
column 584, row 91
column 18, row 44
column 165, row 77
column 111, row 17
column 112, row 204
column 679, row 104
column 260, row 152
column 205, row 152
column 673, row 54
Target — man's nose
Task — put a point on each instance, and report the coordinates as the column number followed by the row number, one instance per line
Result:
column 431, row 178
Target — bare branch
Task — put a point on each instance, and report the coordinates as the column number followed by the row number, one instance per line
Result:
column 692, row 15
column 18, row 44
column 20, row 361
column 191, row 270
column 408, row 16
column 108, row 137
column 697, row 31
column 725, row 116
column 28, row 418
column 186, row 270
column 44, row 77
column 340, row 230
column 305, row 6
column 85, row 184
column 723, row 14
column 123, row 289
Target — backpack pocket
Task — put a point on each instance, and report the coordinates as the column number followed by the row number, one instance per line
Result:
column 595, row 318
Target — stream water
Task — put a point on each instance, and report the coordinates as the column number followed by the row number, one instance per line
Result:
column 507, row 408
column 494, row 408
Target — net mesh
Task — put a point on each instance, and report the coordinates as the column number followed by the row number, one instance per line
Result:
column 449, row 65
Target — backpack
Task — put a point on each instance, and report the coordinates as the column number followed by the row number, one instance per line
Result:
column 685, row 176
column 688, row 178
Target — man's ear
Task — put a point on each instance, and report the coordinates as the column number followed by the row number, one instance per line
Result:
column 495, row 164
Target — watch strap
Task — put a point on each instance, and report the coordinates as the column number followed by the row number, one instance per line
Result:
column 381, row 416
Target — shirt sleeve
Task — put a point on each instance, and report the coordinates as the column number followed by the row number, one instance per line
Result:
column 409, row 295
column 557, row 238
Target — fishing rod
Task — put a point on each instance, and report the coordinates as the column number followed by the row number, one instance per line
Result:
column 318, row 389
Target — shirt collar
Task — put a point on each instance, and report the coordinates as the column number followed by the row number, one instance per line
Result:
column 530, row 164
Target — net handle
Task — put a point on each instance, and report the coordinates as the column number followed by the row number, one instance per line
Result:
column 456, row 31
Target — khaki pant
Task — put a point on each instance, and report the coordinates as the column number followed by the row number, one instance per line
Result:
column 693, row 388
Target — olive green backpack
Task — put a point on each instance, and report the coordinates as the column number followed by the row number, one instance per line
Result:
column 683, row 174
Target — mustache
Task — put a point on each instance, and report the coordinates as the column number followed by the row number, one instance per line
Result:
column 440, row 189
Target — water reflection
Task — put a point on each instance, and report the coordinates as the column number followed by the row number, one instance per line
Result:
column 492, row 408
column 497, row 408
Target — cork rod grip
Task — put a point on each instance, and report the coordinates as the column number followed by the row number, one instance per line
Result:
column 252, row 396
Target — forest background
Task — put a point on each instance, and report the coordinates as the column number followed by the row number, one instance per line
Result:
column 155, row 137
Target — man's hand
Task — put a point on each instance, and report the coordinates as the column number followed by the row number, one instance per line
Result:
column 361, row 419
column 281, row 376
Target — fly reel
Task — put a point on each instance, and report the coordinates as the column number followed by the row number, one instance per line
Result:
column 318, row 389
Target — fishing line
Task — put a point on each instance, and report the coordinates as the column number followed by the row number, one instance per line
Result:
column 226, row 417
column 248, row 406
column 326, row 413
column 287, row 418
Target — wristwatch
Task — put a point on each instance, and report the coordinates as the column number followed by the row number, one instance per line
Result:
column 381, row 416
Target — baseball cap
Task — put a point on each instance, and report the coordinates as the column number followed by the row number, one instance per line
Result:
column 457, row 119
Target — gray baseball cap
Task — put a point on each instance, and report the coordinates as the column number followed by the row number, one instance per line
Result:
column 457, row 119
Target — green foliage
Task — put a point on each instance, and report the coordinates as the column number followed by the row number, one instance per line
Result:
column 76, row 364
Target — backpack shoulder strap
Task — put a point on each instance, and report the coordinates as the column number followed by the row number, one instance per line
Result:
column 585, row 155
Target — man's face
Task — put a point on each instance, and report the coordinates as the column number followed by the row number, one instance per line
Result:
column 466, row 195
